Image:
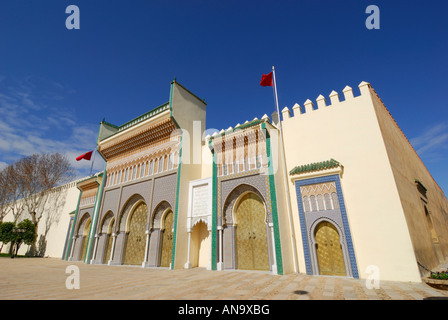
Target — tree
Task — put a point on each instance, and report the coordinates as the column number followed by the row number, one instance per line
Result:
column 6, row 233
column 37, row 175
column 3, row 195
column 27, row 183
column 11, row 193
column 25, row 233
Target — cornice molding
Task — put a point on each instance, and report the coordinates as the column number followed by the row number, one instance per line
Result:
column 137, row 139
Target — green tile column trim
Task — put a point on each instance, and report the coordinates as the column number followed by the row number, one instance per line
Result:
column 69, row 248
column 64, row 251
column 214, row 203
column 176, row 210
column 278, row 249
column 96, row 212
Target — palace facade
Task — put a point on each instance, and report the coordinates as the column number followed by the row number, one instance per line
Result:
column 330, row 187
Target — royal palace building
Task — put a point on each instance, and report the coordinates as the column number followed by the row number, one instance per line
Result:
column 332, row 187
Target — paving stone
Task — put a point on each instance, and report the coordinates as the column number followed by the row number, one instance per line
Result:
column 45, row 279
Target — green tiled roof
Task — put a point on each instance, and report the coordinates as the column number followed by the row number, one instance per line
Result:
column 241, row 126
column 315, row 166
column 116, row 129
column 144, row 116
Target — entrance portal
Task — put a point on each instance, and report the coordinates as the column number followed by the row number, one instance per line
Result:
column 135, row 245
column 328, row 248
column 167, row 240
column 200, row 245
column 85, row 239
column 252, row 246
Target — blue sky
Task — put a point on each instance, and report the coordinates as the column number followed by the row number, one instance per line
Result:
column 56, row 84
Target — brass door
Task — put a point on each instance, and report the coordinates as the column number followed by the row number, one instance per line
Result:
column 329, row 251
column 252, row 245
column 85, row 239
column 167, row 240
column 136, row 241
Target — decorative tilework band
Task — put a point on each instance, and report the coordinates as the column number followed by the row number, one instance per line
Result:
column 303, row 226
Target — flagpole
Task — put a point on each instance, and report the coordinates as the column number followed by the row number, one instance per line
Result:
column 293, row 238
column 93, row 160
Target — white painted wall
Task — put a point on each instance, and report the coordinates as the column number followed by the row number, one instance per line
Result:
column 348, row 132
column 54, row 223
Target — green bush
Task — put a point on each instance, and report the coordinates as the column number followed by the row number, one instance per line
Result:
column 25, row 232
column 6, row 234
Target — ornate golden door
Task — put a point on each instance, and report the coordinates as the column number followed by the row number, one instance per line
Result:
column 167, row 240
column 85, row 239
column 252, row 245
column 329, row 251
column 136, row 241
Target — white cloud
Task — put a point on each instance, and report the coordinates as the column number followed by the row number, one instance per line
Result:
column 433, row 142
column 29, row 125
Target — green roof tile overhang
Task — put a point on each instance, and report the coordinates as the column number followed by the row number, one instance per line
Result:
column 131, row 123
column 144, row 117
column 93, row 179
column 240, row 127
column 316, row 166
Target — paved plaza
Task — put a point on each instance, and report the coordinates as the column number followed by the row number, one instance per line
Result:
column 47, row 278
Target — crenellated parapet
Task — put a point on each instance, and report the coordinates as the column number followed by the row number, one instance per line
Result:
column 321, row 102
column 309, row 107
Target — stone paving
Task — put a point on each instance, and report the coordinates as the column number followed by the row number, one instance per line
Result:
column 45, row 279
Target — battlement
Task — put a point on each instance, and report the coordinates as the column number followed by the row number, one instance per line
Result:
column 297, row 110
column 322, row 103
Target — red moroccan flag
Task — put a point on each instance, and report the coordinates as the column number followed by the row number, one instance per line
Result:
column 266, row 80
column 86, row 156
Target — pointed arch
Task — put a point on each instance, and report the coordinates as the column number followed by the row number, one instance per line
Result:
column 135, row 229
column 82, row 224
column 124, row 217
column 159, row 212
column 327, row 238
column 83, row 234
column 106, row 230
column 233, row 197
column 105, row 223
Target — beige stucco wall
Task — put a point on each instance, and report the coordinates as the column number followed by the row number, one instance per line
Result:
column 189, row 114
column 384, row 211
column 348, row 132
column 207, row 160
column 406, row 167
column 200, row 246
column 188, row 173
column 53, row 226
column 61, row 218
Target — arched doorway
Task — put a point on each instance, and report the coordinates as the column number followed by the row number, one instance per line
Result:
column 85, row 227
column 135, row 244
column 109, row 241
column 167, row 239
column 328, row 250
column 252, row 246
column 200, row 245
